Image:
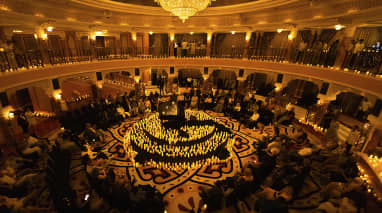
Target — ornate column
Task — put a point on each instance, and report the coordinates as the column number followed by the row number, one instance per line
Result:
column 291, row 43
column 246, row 47
column 208, row 48
column 146, row 44
column 171, row 44
column 346, row 41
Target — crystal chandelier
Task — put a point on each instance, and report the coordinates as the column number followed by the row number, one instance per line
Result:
column 184, row 8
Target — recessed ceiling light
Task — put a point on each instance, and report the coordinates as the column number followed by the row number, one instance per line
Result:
column 338, row 27
column 71, row 19
column 39, row 15
column 352, row 11
column 4, row 8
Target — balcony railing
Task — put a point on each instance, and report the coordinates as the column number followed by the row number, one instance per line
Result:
column 367, row 61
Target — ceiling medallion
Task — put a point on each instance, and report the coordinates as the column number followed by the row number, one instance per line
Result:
column 184, row 8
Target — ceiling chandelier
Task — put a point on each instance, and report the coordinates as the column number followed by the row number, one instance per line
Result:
column 184, row 8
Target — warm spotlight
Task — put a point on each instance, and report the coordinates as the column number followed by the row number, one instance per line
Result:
column 233, row 32
column 11, row 115
column 338, row 27
column 279, row 30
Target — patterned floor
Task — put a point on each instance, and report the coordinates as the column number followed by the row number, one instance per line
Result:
column 181, row 188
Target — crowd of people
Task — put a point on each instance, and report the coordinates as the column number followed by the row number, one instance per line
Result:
column 277, row 180
column 284, row 160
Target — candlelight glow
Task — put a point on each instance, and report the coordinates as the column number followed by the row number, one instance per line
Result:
column 149, row 142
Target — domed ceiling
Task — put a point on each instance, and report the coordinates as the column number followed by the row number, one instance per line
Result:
column 117, row 16
column 217, row 3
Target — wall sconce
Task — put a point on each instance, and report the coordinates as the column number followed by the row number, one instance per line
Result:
column 233, row 32
column 134, row 36
column 8, row 112
column 49, row 29
column 248, row 36
column 58, row 96
column 290, row 36
column 338, row 27
column 11, row 115
column 279, row 30
column 172, row 36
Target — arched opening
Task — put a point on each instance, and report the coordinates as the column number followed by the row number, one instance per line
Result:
column 224, row 79
column 258, row 83
column 158, row 76
column 348, row 103
column 190, row 78
column 302, row 92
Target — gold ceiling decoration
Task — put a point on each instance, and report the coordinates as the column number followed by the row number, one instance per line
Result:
column 184, row 8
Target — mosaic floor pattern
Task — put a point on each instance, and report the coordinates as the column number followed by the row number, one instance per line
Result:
column 181, row 188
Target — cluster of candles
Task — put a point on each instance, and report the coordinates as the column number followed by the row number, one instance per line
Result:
column 152, row 124
column 78, row 99
column 184, row 165
column 316, row 127
column 118, row 83
column 168, row 150
column 375, row 163
column 171, row 150
column 43, row 114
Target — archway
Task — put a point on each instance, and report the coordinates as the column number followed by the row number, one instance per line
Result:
column 158, row 75
column 348, row 103
column 303, row 92
column 224, row 79
column 190, row 78
column 258, row 82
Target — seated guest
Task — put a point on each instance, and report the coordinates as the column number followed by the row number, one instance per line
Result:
column 147, row 105
column 28, row 146
column 299, row 136
column 11, row 185
column 90, row 134
column 122, row 112
column 219, row 106
column 252, row 122
column 332, row 135
column 286, row 118
column 194, row 102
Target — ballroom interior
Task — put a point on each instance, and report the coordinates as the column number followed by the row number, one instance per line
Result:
column 193, row 106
